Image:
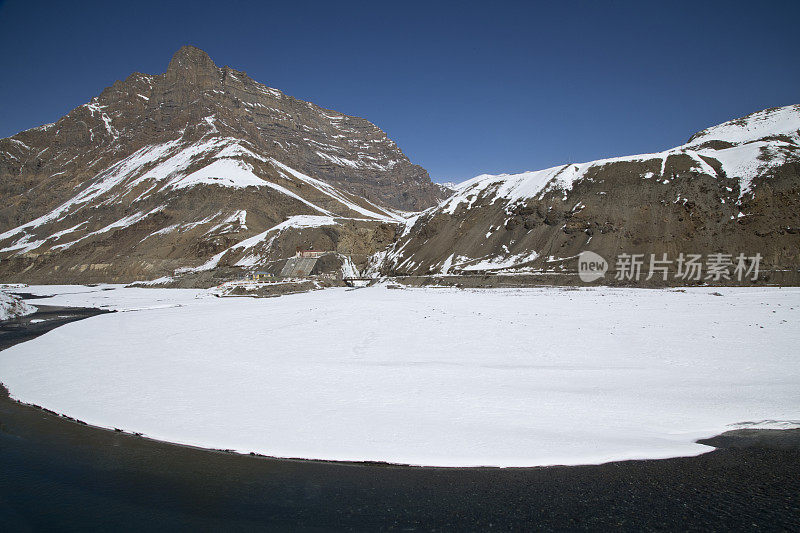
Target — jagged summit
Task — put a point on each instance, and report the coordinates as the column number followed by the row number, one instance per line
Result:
column 188, row 56
column 192, row 65
column 194, row 98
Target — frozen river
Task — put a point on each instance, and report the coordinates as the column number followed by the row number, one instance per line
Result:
column 431, row 376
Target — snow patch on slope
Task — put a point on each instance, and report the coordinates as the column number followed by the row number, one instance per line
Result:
column 336, row 194
column 775, row 121
column 13, row 307
column 511, row 188
column 297, row 221
column 501, row 262
column 222, row 172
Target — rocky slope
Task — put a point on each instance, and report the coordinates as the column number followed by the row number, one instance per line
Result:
column 197, row 167
column 733, row 188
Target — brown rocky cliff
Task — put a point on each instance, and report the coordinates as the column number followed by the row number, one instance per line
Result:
column 192, row 98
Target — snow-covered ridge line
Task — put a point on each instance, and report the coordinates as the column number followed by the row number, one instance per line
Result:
column 336, row 194
column 774, row 121
column 164, row 167
column 740, row 160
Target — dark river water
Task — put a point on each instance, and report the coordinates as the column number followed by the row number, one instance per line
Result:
column 59, row 475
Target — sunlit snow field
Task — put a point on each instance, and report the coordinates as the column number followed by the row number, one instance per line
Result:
column 423, row 376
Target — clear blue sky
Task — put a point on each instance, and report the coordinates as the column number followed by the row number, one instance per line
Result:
column 464, row 88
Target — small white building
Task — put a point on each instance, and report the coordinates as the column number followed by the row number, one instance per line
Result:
column 309, row 253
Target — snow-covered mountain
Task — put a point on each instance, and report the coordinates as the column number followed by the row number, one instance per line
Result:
column 203, row 170
column 195, row 168
column 732, row 188
column 448, row 187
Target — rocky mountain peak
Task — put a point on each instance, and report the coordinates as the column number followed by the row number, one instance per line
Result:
column 191, row 58
column 190, row 71
column 198, row 167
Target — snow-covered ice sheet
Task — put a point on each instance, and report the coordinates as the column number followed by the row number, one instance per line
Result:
column 114, row 297
column 424, row 376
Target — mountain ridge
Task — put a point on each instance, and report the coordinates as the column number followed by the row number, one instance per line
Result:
column 158, row 106
column 160, row 173
column 733, row 187
column 203, row 171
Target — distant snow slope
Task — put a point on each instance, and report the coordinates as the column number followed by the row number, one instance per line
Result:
column 769, row 122
column 425, row 376
column 699, row 196
column 765, row 125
